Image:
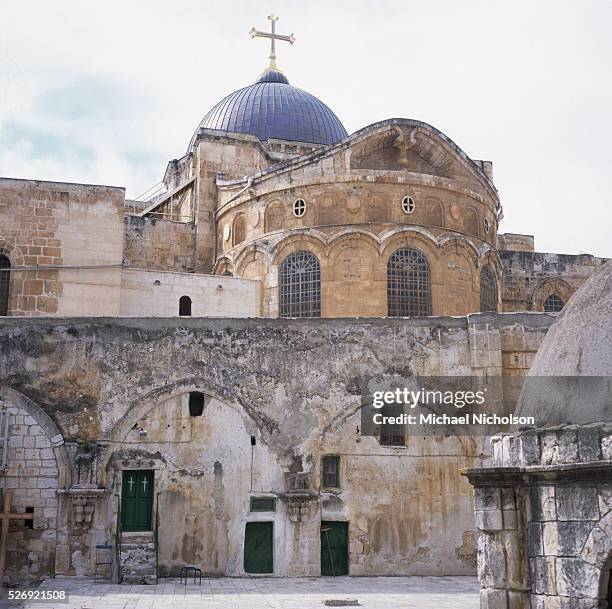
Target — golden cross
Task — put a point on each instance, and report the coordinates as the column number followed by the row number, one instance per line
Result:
column 5, row 518
column 273, row 36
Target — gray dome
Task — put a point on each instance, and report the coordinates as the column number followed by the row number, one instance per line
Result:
column 578, row 344
column 272, row 108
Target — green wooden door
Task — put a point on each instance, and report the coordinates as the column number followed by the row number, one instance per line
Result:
column 136, row 500
column 334, row 548
column 258, row 547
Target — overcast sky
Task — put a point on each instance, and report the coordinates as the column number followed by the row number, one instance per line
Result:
column 108, row 92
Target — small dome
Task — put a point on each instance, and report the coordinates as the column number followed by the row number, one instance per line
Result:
column 578, row 344
column 273, row 109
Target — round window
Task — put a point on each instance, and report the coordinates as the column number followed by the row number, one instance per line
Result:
column 487, row 225
column 408, row 205
column 299, row 208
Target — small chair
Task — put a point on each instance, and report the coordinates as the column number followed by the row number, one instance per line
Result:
column 185, row 572
column 104, row 559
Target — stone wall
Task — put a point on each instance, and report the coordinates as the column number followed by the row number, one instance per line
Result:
column 281, row 394
column 156, row 244
column 157, row 294
column 544, row 512
column 531, row 277
column 47, row 230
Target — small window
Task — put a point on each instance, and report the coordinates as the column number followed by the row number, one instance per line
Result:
column 392, row 434
column 227, row 274
column 331, row 472
column 196, row 404
column 5, row 282
column 553, row 304
column 487, row 225
column 185, row 306
column 408, row 204
column 299, row 208
column 263, row 504
column 29, row 523
column 488, row 289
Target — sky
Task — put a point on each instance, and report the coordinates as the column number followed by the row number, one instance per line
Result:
column 109, row 92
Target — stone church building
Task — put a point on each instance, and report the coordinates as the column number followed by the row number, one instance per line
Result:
column 181, row 375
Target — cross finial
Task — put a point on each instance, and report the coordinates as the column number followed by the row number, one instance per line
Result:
column 273, row 36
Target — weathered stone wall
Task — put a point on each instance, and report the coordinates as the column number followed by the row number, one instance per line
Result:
column 47, row 229
column 295, row 388
column 155, row 244
column 531, row 277
column 544, row 512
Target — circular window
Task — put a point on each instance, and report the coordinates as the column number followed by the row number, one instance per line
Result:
column 299, row 208
column 487, row 225
column 408, row 205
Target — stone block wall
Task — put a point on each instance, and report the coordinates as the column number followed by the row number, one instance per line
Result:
column 49, row 228
column 156, row 244
column 157, row 294
column 544, row 512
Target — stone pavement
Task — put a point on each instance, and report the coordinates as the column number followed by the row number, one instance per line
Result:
column 270, row 593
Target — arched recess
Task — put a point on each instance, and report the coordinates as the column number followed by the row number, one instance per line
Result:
column 43, row 467
column 5, row 284
column 275, row 216
column 239, row 230
column 224, row 267
column 471, row 222
column 548, row 287
column 14, row 398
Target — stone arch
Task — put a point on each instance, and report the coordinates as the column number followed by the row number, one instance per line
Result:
column 239, row 229
column 596, row 555
column 224, row 266
column 37, row 468
column 299, row 241
column 547, row 287
column 471, row 221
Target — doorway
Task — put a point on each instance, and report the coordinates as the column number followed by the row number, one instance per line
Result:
column 136, row 500
column 334, row 547
column 259, row 547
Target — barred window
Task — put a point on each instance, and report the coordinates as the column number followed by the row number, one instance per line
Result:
column 5, row 282
column 408, row 284
column 488, row 289
column 392, row 434
column 553, row 304
column 300, row 286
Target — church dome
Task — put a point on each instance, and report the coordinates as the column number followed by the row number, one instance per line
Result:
column 271, row 108
column 578, row 344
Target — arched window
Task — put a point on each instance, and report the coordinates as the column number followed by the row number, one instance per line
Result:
column 5, row 282
column 488, row 289
column 185, row 306
column 300, row 286
column 553, row 304
column 408, row 284
column 239, row 230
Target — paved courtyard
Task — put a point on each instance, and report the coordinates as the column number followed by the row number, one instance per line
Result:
column 271, row 593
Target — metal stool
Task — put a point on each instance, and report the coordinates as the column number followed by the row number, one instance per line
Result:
column 106, row 560
column 185, row 571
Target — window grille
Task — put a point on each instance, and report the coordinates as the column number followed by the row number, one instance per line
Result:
column 553, row 304
column 5, row 282
column 331, row 472
column 299, row 208
column 300, row 286
column 488, row 289
column 408, row 205
column 408, row 284
column 184, row 306
column 392, row 434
